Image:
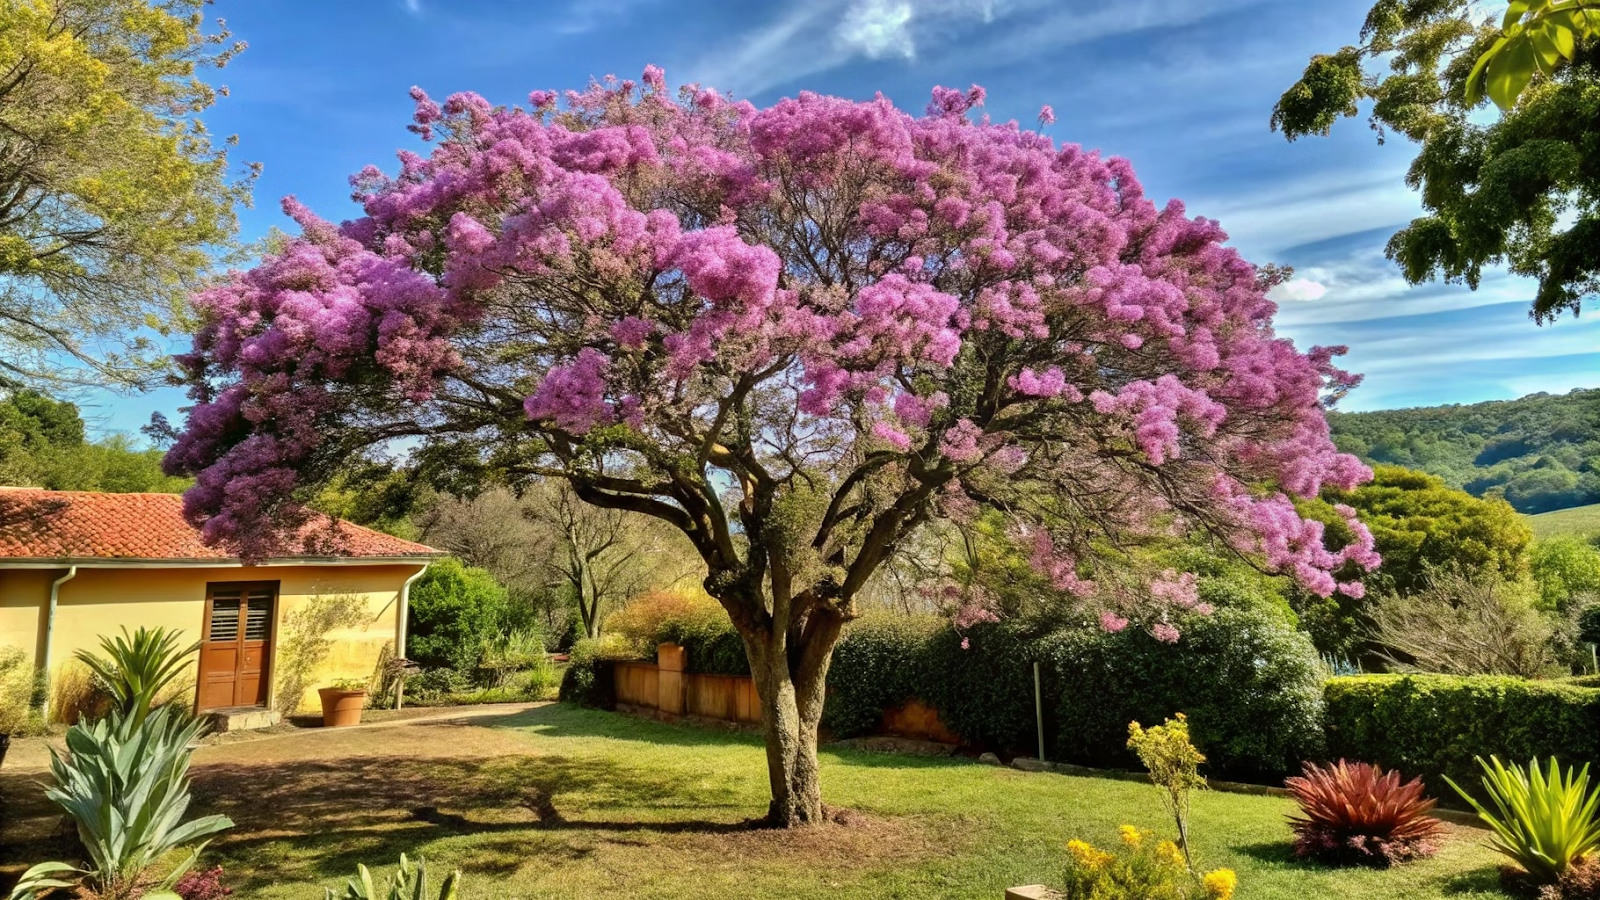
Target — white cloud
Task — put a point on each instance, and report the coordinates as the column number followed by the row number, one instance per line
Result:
column 878, row 29
column 1299, row 290
column 820, row 35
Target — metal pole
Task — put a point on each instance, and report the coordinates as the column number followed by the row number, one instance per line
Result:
column 1038, row 708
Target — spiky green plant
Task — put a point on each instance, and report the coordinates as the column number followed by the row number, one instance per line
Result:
column 1543, row 820
column 126, row 786
column 137, row 668
column 409, row 882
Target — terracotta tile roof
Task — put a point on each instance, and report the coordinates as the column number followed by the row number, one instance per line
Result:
column 40, row 524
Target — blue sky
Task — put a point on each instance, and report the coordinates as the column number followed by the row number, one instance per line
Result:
column 1183, row 88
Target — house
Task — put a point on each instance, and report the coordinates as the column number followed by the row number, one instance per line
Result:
column 78, row 565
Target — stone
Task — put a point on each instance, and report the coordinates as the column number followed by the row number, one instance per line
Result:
column 990, row 759
column 242, row 718
column 1032, row 892
column 1029, row 764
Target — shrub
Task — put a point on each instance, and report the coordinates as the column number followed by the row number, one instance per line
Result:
column 1358, row 813
column 1434, row 725
column 202, row 886
column 1251, row 689
column 137, row 670
column 507, row 654
column 16, row 692
column 879, row 664
column 1544, row 821
column 1141, row 869
column 1173, row 764
column 454, row 608
column 589, row 679
column 1458, row 625
column 1566, row 567
column 125, row 783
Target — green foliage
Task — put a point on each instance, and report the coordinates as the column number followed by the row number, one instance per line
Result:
column 454, row 609
column 1249, row 685
column 42, row 444
column 1539, row 453
column 1519, row 191
column 1543, row 820
column 1567, row 570
column 1589, row 625
column 1419, row 525
column 42, row 879
column 589, row 679
column 691, row 619
column 1537, row 37
column 1174, row 766
column 1437, row 725
column 409, row 882
column 116, row 197
column 881, row 662
column 125, row 783
column 137, row 670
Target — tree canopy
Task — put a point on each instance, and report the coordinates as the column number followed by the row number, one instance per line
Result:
column 796, row 334
column 43, row 443
column 112, row 194
column 1539, row 453
column 1520, row 190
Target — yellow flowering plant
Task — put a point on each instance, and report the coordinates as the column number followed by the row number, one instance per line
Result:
column 1141, row 868
column 1173, row 763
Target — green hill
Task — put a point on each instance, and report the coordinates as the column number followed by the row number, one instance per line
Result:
column 1577, row 520
column 1540, row 453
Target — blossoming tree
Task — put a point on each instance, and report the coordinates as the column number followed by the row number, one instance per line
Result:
column 795, row 333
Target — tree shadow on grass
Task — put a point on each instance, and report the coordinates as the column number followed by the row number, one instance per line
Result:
column 1484, row 879
column 315, row 819
column 1281, row 853
column 566, row 720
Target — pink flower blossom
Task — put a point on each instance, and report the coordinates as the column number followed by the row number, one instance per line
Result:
column 1047, row 115
column 1164, row 633
column 1112, row 623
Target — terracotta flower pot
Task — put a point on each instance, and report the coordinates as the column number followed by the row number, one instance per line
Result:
column 341, row 707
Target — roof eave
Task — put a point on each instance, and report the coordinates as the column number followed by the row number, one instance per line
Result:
column 102, row 562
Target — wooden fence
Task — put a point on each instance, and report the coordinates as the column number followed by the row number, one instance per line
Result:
column 664, row 688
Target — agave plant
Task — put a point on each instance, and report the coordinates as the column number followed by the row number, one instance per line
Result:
column 127, row 788
column 1543, row 820
column 137, row 668
column 410, row 882
column 1357, row 812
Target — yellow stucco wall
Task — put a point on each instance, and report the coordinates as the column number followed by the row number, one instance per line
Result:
column 99, row 601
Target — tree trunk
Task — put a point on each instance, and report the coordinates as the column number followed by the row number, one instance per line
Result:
column 790, row 674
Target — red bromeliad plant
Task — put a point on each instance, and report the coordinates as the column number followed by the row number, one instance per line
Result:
column 1357, row 812
column 797, row 334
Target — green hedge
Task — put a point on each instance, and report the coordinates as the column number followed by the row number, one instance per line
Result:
column 1249, row 685
column 1433, row 725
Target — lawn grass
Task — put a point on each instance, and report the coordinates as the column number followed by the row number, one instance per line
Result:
column 570, row 803
column 1583, row 520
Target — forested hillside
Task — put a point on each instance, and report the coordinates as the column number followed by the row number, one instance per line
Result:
column 1541, row 452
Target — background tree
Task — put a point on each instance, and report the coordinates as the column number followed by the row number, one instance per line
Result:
column 1567, row 569
column 43, row 444
column 795, row 334
column 1422, row 529
column 603, row 555
column 112, row 196
column 1522, row 189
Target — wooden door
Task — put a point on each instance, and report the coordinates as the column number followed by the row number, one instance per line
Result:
column 236, row 653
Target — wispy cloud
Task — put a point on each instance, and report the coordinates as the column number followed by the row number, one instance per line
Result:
column 809, row 38
column 413, row 6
